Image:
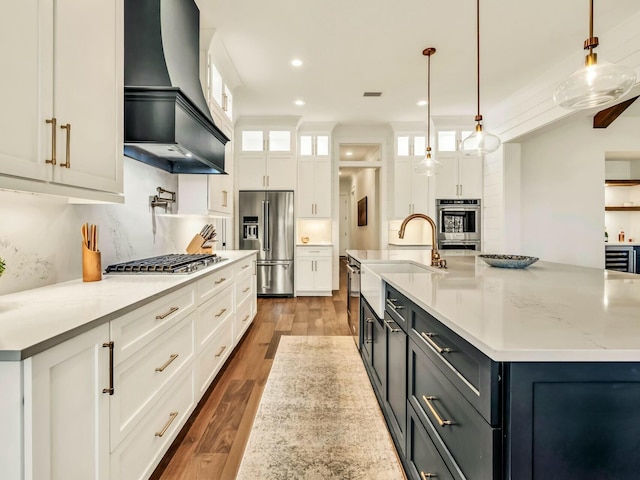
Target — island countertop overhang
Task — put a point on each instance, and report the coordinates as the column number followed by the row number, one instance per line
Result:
column 549, row 312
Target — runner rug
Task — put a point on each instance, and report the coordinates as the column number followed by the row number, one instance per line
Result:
column 319, row 418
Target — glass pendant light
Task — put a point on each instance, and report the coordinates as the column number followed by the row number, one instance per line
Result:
column 479, row 142
column 428, row 166
column 596, row 83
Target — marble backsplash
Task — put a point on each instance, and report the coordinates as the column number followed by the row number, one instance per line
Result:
column 40, row 235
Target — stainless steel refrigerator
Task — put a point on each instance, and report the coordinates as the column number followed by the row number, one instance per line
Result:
column 266, row 225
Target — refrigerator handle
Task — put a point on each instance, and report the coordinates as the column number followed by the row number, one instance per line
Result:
column 265, row 230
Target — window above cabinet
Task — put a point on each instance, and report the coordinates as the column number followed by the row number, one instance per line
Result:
column 450, row 140
column 312, row 145
column 411, row 145
column 265, row 141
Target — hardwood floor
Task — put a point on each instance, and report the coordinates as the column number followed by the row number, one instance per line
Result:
column 214, row 443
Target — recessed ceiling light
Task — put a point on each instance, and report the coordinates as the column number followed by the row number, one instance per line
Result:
column 339, row 172
column 421, row 103
column 296, row 62
column 348, row 154
column 299, row 102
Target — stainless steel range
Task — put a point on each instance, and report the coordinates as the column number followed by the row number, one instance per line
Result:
column 173, row 263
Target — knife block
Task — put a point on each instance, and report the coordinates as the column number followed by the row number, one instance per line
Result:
column 91, row 265
column 195, row 246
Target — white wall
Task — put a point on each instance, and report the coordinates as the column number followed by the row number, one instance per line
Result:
column 562, row 194
column 40, row 236
column 366, row 237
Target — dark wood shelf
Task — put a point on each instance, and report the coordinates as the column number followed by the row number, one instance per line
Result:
column 620, row 208
column 621, row 183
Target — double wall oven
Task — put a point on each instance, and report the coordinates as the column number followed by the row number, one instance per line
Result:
column 459, row 224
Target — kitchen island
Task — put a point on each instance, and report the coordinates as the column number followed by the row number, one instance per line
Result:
column 521, row 374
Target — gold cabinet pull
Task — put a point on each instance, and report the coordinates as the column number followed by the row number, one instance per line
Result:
column 67, row 162
column 172, row 357
column 441, row 422
column 109, row 390
column 172, row 417
column 224, row 198
column 220, row 312
column 437, row 348
column 165, row 315
column 220, row 281
column 246, row 290
column 246, row 318
column 424, row 476
column 53, row 123
column 222, row 349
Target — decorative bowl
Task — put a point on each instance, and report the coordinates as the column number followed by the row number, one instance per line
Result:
column 509, row 261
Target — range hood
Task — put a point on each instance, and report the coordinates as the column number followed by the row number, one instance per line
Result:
column 167, row 122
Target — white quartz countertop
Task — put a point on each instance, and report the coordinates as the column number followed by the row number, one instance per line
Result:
column 621, row 244
column 34, row 320
column 547, row 312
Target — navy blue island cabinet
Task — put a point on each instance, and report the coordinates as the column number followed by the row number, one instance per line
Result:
column 454, row 413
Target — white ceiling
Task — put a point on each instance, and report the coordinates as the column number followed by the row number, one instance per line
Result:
column 352, row 46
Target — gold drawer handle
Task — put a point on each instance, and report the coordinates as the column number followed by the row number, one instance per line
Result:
column 67, row 163
column 224, row 347
column 427, row 475
column 438, row 348
column 52, row 122
column 246, row 318
column 220, row 281
column 246, row 290
column 167, row 363
column 172, row 417
column 220, row 312
column 441, row 422
column 165, row 315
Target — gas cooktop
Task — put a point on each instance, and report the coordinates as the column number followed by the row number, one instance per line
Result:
column 173, row 263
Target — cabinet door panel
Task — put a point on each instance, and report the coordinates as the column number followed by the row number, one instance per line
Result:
column 304, row 274
column 306, row 188
column 88, row 92
column 323, row 274
column 402, row 188
column 447, row 179
column 66, row 413
column 470, row 177
column 26, row 49
column 281, row 172
column 251, row 171
column 322, row 187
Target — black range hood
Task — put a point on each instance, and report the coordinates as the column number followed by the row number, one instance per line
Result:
column 167, row 122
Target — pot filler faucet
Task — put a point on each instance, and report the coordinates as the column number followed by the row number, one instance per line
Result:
column 436, row 260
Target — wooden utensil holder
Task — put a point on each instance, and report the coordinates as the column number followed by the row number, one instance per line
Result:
column 195, row 245
column 91, row 265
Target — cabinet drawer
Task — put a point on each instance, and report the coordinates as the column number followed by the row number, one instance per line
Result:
column 244, row 289
column 139, row 453
column 135, row 330
column 242, row 320
column 472, row 373
column 213, row 283
column 142, row 378
column 213, row 314
column 314, row 251
column 472, row 446
column 213, row 356
column 244, row 266
column 397, row 305
column 422, row 456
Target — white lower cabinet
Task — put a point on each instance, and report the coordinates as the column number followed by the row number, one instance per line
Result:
column 107, row 403
column 66, row 413
column 137, row 455
column 313, row 271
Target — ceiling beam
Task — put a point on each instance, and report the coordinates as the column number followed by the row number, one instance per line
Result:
column 605, row 117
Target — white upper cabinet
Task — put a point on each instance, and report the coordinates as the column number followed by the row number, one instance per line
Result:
column 66, row 105
column 411, row 191
column 461, row 175
column 218, row 93
column 266, row 159
column 314, row 176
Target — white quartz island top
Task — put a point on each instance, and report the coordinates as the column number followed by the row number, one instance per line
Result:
column 34, row 320
column 547, row 312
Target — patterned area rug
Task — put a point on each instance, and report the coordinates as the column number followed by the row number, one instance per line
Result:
column 319, row 417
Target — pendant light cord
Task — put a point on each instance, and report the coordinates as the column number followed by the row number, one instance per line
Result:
column 429, row 103
column 478, row 116
column 591, row 26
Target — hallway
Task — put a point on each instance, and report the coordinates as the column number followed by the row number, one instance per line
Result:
column 213, row 446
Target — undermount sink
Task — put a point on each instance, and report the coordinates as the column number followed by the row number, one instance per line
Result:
column 372, row 285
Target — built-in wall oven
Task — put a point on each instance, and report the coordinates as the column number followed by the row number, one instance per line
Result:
column 353, row 298
column 459, row 224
